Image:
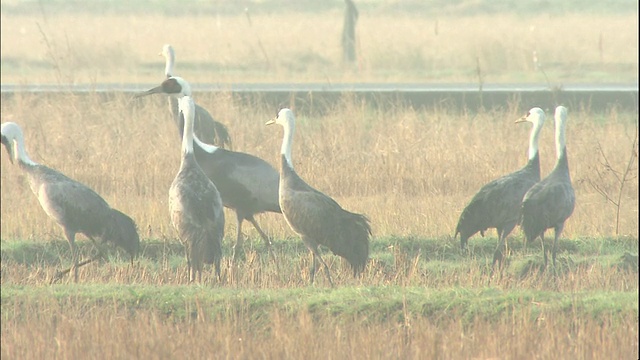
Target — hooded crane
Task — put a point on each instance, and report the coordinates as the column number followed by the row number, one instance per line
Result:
column 205, row 127
column 122, row 233
column 247, row 184
column 194, row 202
column 498, row 203
column 74, row 206
column 549, row 203
column 316, row 217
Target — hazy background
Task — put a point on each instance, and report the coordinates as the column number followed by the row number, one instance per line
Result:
column 300, row 41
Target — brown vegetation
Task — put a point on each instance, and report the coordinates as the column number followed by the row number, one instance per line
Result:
column 410, row 171
column 281, row 47
column 76, row 333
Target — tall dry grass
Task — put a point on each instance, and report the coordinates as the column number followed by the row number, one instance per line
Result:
column 76, row 332
column 411, row 171
column 281, row 47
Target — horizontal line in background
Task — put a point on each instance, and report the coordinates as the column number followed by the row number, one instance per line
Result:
column 318, row 87
column 320, row 97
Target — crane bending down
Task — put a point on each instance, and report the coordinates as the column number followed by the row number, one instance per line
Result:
column 73, row 205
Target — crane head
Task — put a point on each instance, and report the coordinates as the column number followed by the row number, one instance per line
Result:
column 535, row 115
column 283, row 117
column 173, row 86
column 10, row 131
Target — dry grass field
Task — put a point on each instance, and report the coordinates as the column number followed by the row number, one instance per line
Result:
column 44, row 44
column 411, row 171
column 73, row 330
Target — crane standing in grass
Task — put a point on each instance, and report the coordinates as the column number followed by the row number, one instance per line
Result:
column 316, row 217
column 498, row 203
column 549, row 203
column 74, row 206
column 194, row 202
column 247, row 184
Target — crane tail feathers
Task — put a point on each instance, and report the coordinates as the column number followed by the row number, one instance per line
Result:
column 353, row 242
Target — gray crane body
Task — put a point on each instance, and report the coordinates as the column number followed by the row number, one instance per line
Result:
column 74, row 206
column 497, row 204
column 196, row 213
column 320, row 220
column 549, row 203
column 247, row 184
column 316, row 217
column 195, row 205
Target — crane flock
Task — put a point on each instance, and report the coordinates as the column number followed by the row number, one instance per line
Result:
column 211, row 177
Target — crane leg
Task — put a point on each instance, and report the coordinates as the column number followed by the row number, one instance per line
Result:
column 498, row 255
column 71, row 237
column 217, row 267
column 463, row 242
column 100, row 253
column 61, row 273
column 76, row 265
column 557, row 231
column 544, row 251
column 503, row 233
column 188, row 263
column 553, row 250
column 312, row 271
column 238, row 248
column 316, row 256
column 264, row 236
column 267, row 240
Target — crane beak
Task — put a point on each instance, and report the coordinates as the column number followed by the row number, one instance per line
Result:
column 155, row 90
column 522, row 119
column 272, row 121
